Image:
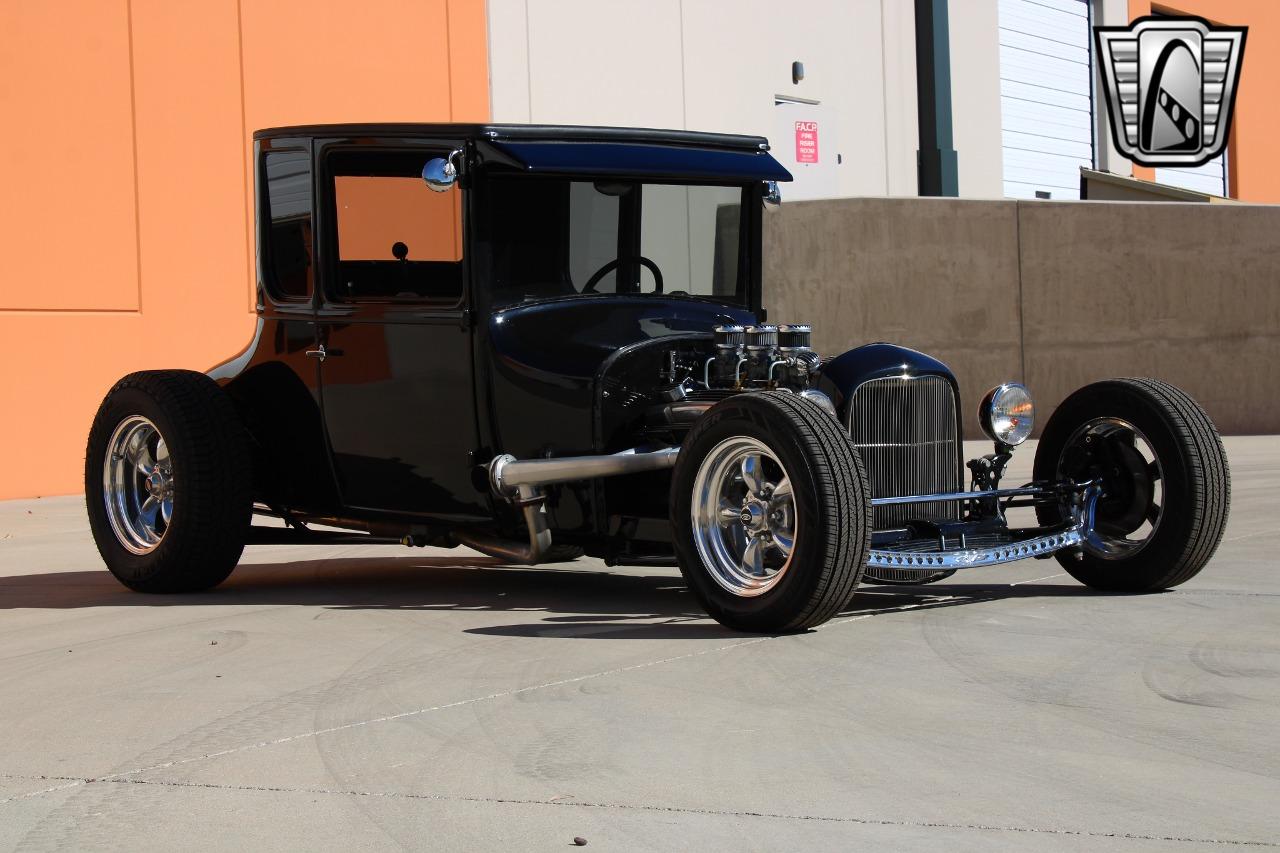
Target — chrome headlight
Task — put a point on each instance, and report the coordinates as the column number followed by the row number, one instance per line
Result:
column 1007, row 414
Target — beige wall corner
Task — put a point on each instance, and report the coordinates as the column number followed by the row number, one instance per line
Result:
column 509, row 91
column 1108, row 13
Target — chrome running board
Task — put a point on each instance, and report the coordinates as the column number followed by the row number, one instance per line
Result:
column 968, row 558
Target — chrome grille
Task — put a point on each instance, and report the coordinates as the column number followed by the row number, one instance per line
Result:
column 905, row 429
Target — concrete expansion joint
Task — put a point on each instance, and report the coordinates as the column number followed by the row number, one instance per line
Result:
column 642, row 807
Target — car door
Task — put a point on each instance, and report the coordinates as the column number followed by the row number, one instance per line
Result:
column 395, row 347
column 275, row 381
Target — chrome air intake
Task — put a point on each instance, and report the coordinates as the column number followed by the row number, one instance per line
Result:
column 905, row 428
column 795, row 336
column 761, row 337
column 729, row 337
column 729, row 341
column 761, row 349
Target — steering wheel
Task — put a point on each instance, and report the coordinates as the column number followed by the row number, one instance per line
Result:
column 590, row 286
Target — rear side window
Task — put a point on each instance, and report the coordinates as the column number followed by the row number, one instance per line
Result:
column 289, row 244
column 397, row 240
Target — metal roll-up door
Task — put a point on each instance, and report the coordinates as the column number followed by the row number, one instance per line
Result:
column 1045, row 97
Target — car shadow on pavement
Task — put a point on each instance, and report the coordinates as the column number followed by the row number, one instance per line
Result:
column 571, row 601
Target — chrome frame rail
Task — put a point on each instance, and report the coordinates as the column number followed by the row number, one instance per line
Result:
column 965, row 496
column 1078, row 533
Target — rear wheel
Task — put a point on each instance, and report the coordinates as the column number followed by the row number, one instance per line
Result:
column 1164, row 475
column 167, row 482
column 771, row 513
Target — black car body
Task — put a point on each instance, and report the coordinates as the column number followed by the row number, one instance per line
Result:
column 504, row 336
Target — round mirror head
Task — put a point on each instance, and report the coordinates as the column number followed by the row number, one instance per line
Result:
column 440, row 174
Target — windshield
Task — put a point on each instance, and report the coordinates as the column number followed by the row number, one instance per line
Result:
column 559, row 237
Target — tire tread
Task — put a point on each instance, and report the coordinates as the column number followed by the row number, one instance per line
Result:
column 1208, row 475
column 216, row 466
column 845, row 523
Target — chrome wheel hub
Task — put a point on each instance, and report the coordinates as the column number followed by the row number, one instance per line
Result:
column 137, row 484
column 744, row 518
column 1123, row 459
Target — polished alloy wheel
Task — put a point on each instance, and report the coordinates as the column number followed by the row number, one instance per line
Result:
column 137, row 484
column 1129, row 512
column 744, row 516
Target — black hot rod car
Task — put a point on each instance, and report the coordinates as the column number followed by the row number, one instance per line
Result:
column 540, row 342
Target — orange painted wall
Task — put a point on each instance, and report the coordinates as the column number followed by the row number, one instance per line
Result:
column 1253, row 150
column 126, row 223
column 374, row 212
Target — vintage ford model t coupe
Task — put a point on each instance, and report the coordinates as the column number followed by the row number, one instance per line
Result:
column 540, row 342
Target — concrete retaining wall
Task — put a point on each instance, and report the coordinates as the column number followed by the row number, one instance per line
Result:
column 1055, row 294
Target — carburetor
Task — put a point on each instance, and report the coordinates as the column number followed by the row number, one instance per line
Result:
column 797, row 361
column 763, row 356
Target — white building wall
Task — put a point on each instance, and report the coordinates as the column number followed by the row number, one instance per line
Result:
column 720, row 65
column 975, row 96
column 901, row 125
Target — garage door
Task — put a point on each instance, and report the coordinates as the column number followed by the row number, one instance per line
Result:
column 1045, row 99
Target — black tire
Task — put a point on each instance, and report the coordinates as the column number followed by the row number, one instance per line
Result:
column 212, row 501
column 1195, row 482
column 831, row 501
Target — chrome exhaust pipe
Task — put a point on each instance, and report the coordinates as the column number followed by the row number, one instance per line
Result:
column 532, row 503
column 521, row 482
column 507, row 474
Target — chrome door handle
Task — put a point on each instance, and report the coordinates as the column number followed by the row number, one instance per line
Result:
column 322, row 353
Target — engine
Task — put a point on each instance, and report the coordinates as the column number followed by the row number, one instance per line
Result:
column 761, row 357
column 741, row 359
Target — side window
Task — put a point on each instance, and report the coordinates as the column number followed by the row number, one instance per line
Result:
column 288, row 264
column 396, row 238
column 593, row 235
column 693, row 234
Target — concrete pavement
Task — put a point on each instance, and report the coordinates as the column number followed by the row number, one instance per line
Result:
column 380, row 698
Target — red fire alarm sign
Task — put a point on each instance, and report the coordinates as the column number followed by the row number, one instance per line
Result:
column 806, row 142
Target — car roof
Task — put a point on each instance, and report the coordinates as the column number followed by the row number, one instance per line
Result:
column 527, row 133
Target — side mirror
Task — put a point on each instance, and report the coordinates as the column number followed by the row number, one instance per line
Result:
column 440, row 173
column 772, row 195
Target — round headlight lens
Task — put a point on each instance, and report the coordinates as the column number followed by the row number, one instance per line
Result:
column 1007, row 414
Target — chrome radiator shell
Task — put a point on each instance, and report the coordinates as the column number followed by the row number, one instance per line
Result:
column 907, row 432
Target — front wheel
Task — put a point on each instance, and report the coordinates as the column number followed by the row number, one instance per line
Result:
column 1166, row 487
column 771, row 513
column 168, row 483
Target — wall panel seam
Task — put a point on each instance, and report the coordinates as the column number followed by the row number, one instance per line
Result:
column 884, row 96
column 245, row 187
column 448, row 56
column 1022, row 314
column 133, row 128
